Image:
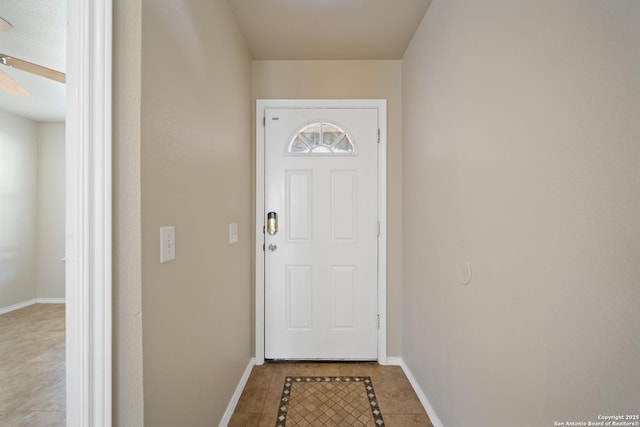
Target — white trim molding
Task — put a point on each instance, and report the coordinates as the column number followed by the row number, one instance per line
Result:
column 381, row 105
column 50, row 301
column 17, row 306
column 398, row 361
column 236, row 395
column 23, row 304
column 382, row 239
column 88, row 213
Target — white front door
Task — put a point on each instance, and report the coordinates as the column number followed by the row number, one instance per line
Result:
column 321, row 245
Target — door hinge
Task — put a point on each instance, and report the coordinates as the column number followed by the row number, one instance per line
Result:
column 378, row 228
column 378, row 135
column 378, row 321
column 264, row 121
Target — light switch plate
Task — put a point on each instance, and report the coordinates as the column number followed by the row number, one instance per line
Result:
column 233, row 233
column 167, row 244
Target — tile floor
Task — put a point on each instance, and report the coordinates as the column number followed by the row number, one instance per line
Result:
column 340, row 401
column 260, row 400
column 32, row 367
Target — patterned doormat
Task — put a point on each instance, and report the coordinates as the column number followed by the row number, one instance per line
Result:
column 328, row 401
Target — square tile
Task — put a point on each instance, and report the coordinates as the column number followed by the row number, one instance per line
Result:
column 324, row 400
column 396, row 398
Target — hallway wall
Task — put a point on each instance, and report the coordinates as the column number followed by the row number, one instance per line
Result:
column 195, row 169
column 128, row 387
column 521, row 155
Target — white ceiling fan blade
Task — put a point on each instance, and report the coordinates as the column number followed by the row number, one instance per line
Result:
column 11, row 86
column 5, row 25
column 32, row 68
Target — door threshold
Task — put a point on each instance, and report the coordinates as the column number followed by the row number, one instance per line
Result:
column 320, row 361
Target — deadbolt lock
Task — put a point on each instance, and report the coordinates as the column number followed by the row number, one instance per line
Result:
column 272, row 223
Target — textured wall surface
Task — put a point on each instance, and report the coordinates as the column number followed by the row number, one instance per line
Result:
column 196, row 172
column 521, row 157
column 128, row 398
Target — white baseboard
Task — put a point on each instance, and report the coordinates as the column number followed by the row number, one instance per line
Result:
column 236, row 395
column 50, row 301
column 17, row 306
column 398, row 361
column 27, row 303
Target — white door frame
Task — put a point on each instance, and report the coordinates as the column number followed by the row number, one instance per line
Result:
column 381, row 105
column 88, row 213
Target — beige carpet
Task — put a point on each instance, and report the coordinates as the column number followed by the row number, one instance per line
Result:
column 328, row 401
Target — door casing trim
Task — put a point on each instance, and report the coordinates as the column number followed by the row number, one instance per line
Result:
column 88, row 214
column 261, row 105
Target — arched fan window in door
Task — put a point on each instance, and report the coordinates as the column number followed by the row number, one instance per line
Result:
column 322, row 138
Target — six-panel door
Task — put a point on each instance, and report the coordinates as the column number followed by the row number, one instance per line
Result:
column 321, row 262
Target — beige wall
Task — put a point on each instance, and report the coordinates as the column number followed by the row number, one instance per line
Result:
column 128, row 399
column 51, row 209
column 353, row 80
column 32, row 214
column 521, row 154
column 18, row 209
column 196, row 170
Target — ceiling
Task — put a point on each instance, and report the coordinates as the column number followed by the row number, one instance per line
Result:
column 273, row 30
column 328, row 29
column 39, row 36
